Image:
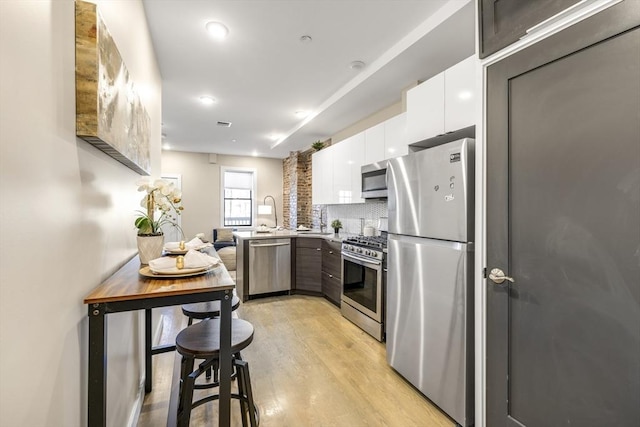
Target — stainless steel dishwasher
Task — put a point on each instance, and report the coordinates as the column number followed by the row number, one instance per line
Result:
column 269, row 266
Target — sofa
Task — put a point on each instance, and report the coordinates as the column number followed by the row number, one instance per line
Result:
column 223, row 237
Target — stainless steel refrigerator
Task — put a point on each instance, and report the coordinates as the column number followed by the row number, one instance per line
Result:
column 430, row 274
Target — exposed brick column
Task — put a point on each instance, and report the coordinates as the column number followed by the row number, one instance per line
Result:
column 297, row 191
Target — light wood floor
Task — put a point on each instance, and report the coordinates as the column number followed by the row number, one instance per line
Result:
column 309, row 367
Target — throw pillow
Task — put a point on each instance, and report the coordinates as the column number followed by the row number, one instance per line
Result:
column 224, row 235
column 228, row 257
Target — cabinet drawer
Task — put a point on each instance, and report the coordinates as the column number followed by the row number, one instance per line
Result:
column 332, row 288
column 331, row 258
column 308, row 242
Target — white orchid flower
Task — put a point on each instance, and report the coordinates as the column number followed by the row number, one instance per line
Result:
column 160, row 183
column 166, row 190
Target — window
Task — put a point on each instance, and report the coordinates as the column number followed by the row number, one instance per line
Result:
column 237, row 197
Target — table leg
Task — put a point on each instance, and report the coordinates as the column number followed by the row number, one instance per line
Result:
column 97, row 386
column 225, row 360
column 148, row 364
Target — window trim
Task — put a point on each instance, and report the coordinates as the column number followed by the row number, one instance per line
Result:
column 254, row 194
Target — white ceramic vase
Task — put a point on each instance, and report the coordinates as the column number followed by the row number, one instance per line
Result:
column 150, row 247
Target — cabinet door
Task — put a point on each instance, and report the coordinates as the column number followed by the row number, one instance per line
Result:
column 355, row 160
column 395, row 136
column 308, row 265
column 322, row 176
column 425, row 112
column 341, row 192
column 503, row 22
column 374, row 139
column 331, row 288
column 460, row 95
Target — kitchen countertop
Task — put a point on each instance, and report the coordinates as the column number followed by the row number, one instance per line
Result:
column 244, row 235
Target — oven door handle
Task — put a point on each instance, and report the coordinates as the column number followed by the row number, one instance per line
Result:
column 360, row 260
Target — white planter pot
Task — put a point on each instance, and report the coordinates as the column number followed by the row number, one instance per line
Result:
column 150, row 247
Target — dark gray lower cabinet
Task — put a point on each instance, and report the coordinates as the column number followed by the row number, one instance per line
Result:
column 331, row 271
column 308, row 265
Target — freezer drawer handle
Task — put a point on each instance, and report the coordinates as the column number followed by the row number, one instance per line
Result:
column 498, row 276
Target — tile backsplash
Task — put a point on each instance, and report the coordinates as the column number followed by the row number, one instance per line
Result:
column 354, row 217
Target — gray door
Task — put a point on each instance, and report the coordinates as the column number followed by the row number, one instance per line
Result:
column 563, row 221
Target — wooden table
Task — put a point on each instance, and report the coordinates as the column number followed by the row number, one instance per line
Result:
column 126, row 290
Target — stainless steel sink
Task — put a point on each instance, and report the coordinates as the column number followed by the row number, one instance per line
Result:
column 313, row 233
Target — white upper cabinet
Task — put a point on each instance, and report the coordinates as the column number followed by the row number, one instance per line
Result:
column 374, row 144
column 425, row 109
column 395, row 137
column 348, row 157
column 355, row 159
column 444, row 103
column 341, row 171
column 460, row 95
column 322, row 176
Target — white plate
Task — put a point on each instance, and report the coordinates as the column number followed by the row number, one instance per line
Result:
column 303, row 229
column 146, row 271
column 177, row 251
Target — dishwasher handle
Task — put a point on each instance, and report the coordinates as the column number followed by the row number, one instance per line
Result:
column 268, row 245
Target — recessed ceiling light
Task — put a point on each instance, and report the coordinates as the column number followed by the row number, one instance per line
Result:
column 301, row 114
column 306, row 39
column 465, row 94
column 217, row 30
column 275, row 136
column 357, row 65
column 255, row 153
column 166, row 147
column 207, row 100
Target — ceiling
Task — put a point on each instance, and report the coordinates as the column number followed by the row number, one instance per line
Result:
column 262, row 73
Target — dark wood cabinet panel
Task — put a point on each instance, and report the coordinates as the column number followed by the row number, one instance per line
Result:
column 308, row 265
column 503, row 22
column 331, row 258
column 331, row 287
column 308, row 242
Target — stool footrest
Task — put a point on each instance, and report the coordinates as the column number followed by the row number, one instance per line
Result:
column 244, row 395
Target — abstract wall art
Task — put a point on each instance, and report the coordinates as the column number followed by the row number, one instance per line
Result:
column 109, row 112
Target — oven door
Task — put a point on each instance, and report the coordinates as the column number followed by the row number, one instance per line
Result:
column 362, row 285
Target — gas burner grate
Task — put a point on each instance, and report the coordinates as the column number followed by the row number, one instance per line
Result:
column 378, row 242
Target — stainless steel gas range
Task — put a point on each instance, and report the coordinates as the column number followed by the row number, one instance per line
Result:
column 363, row 271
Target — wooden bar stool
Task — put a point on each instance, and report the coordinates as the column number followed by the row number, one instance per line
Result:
column 207, row 310
column 202, row 341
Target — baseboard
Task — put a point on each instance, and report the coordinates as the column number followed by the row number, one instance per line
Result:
column 134, row 416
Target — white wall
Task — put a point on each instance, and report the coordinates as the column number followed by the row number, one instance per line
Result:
column 66, row 216
column 201, row 187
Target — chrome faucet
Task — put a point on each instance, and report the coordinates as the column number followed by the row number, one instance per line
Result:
column 322, row 223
